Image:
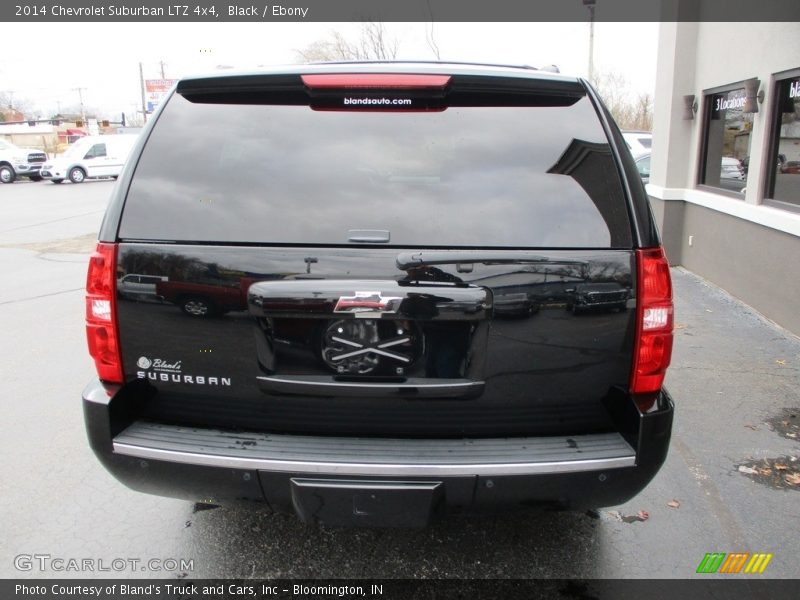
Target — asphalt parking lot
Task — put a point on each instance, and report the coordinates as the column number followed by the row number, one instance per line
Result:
column 726, row 486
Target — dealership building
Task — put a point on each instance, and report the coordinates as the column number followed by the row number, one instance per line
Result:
column 725, row 167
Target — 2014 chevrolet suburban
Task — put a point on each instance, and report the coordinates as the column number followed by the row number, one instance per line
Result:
column 369, row 220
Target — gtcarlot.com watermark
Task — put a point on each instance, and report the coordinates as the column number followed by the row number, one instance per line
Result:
column 47, row 563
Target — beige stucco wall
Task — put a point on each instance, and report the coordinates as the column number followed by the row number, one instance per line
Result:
column 752, row 253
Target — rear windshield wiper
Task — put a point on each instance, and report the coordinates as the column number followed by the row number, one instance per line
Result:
column 410, row 260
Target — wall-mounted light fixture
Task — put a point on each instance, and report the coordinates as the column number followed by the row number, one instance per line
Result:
column 753, row 97
column 689, row 107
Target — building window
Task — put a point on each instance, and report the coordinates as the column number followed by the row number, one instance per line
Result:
column 726, row 140
column 783, row 181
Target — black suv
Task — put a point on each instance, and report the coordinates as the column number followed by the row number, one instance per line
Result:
column 352, row 230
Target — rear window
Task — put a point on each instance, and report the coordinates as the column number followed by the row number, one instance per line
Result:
column 466, row 176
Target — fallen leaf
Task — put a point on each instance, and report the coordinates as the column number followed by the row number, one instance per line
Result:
column 781, row 362
column 747, row 470
column 765, row 472
column 792, row 478
column 674, row 503
column 753, row 427
column 780, row 467
column 642, row 515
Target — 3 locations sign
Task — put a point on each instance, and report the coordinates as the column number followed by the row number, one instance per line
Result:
column 721, row 103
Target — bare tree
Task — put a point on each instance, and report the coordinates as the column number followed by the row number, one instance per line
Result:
column 431, row 41
column 376, row 44
column 134, row 119
column 9, row 101
column 373, row 44
column 643, row 114
column 429, row 36
column 629, row 112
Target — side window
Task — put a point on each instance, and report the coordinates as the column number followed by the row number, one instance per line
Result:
column 726, row 140
column 96, row 151
column 783, row 177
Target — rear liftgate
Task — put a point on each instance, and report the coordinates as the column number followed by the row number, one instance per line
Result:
column 385, row 340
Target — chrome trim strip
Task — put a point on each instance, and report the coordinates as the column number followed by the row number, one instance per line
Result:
column 378, row 469
column 372, row 385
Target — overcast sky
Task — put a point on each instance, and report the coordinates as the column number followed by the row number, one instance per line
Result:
column 43, row 63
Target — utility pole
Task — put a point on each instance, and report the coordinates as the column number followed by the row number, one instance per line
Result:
column 590, row 4
column 80, row 96
column 161, row 62
column 141, row 81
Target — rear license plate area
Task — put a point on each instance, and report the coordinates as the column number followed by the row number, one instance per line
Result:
column 366, row 503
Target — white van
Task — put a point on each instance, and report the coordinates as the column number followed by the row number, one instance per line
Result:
column 90, row 156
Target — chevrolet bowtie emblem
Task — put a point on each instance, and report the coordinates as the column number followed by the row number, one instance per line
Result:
column 368, row 304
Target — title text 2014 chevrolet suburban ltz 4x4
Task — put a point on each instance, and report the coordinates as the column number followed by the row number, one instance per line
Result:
column 365, row 309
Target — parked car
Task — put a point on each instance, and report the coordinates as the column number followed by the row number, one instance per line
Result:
column 134, row 286
column 205, row 299
column 365, row 375
column 643, row 166
column 598, row 296
column 90, row 157
column 639, row 142
column 19, row 162
column 517, row 304
column 732, row 168
column 791, row 167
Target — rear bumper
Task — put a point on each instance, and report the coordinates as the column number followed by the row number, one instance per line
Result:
column 376, row 481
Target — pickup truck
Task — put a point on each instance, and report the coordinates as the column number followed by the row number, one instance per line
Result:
column 19, row 162
column 361, row 233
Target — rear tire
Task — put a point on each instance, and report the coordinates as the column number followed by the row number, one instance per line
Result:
column 77, row 175
column 7, row 174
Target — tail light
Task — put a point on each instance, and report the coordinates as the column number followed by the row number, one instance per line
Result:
column 653, row 345
column 101, row 313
